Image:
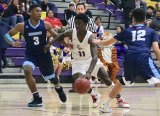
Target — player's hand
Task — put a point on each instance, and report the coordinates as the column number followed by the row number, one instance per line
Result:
column 47, row 47
column 87, row 76
column 96, row 41
column 16, row 44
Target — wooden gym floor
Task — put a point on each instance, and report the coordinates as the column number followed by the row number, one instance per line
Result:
column 144, row 101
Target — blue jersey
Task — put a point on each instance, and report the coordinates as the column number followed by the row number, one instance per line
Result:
column 35, row 37
column 138, row 38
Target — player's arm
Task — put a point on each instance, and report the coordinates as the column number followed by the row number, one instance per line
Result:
column 118, row 37
column 156, row 50
column 104, row 42
column 50, row 30
column 155, row 46
column 59, row 39
column 94, row 54
column 18, row 28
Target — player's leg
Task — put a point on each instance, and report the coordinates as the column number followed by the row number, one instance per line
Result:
column 130, row 74
column 28, row 67
column 4, row 59
column 94, row 94
column 46, row 69
column 59, row 69
column 148, row 70
column 103, row 75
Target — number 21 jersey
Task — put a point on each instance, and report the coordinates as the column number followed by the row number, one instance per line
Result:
column 81, row 50
column 35, row 37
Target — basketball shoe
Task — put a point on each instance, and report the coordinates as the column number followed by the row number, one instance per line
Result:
column 122, row 103
column 104, row 108
column 61, row 94
column 36, row 102
column 96, row 97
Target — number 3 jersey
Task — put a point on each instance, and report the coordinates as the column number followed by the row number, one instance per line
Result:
column 138, row 38
column 81, row 50
column 35, row 37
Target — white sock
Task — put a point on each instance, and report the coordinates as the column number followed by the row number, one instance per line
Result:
column 58, row 87
column 93, row 92
column 108, row 101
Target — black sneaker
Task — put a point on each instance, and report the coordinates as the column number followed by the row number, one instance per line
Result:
column 36, row 102
column 71, row 91
column 62, row 95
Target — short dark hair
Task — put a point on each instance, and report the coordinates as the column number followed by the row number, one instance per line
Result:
column 98, row 17
column 82, row 17
column 150, row 7
column 81, row 3
column 120, row 27
column 138, row 14
column 71, row 4
column 34, row 6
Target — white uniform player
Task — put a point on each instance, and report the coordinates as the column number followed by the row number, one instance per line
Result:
column 81, row 55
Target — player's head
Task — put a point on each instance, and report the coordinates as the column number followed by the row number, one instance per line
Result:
column 138, row 16
column 35, row 11
column 80, row 8
column 81, row 21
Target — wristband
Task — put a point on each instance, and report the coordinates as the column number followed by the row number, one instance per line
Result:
column 9, row 38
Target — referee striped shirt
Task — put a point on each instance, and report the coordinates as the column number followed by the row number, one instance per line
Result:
column 90, row 26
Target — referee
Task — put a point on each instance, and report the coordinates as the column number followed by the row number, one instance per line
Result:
column 80, row 8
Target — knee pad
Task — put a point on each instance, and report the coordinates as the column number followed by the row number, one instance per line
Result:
column 54, row 80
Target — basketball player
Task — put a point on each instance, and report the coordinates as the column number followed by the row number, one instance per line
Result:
column 137, row 60
column 34, row 31
column 85, row 60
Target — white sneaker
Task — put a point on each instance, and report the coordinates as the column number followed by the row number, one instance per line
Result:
column 104, row 108
column 91, row 81
column 96, row 99
column 97, row 81
column 122, row 103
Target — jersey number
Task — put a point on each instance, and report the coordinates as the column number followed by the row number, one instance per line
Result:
column 81, row 53
column 36, row 40
column 138, row 35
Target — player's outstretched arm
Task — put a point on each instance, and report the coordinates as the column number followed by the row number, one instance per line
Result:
column 156, row 50
column 94, row 54
column 18, row 28
column 104, row 42
column 59, row 39
column 51, row 30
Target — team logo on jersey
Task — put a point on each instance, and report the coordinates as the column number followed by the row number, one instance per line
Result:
column 79, row 47
column 26, row 26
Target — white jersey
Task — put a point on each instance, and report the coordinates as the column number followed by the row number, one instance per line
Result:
column 81, row 50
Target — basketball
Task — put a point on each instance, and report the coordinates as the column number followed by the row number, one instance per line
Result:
column 81, row 85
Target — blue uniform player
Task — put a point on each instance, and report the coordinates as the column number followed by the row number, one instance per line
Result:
column 4, row 28
column 137, row 60
column 34, row 31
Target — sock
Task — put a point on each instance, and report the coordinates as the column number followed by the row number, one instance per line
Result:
column 92, row 92
column 118, row 96
column 35, row 95
column 107, row 102
column 58, row 87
